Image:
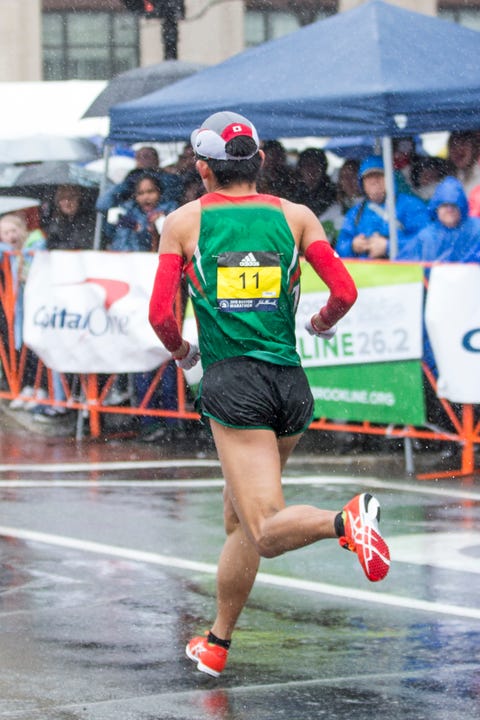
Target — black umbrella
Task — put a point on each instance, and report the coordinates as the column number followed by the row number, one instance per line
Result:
column 40, row 180
column 52, row 173
column 139, row 82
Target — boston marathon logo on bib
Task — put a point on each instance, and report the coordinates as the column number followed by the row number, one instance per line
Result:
column 248, row 281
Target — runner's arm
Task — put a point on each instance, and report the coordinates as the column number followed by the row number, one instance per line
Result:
column 335, row 275
column 175, row 246
column 312, row 241
column 165, row 288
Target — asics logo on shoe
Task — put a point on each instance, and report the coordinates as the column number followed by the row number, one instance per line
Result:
column 362, row 536
column 370, row 546
column 198, row 648
column 249, row 261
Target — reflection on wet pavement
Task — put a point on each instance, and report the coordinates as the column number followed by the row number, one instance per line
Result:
column 97, row 606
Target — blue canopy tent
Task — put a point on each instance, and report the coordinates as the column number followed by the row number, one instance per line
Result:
column 376, row 70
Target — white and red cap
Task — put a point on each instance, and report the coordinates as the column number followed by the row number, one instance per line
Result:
column 210, row 139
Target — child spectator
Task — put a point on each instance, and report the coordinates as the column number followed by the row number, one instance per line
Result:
column 19, row 244
column 139, row 222
column 451, row 235
column 146, row 160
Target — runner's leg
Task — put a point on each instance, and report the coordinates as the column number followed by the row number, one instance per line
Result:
column 237, row 569
column 252, row 462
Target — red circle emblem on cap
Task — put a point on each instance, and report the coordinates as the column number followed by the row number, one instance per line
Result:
column 235, row 129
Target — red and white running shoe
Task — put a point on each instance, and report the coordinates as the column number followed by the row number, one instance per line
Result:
column 210, row 658
column 362, row 536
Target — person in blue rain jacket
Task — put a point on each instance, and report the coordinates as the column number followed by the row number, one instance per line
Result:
column 451, row 235
column 365, row 230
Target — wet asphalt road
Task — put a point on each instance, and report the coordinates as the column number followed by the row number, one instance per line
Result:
column 107, row 568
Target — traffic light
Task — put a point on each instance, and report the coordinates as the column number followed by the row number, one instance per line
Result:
column 135, row 6
column 170, row 11
column 160, row 9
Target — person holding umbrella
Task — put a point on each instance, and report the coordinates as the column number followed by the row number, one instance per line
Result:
column 72, row 223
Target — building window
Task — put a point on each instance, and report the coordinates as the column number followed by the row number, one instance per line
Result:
column 467, row 18
column 263, row 25
column 88, row 45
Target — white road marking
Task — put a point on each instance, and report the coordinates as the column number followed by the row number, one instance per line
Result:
column 190, row 698
column 282, row 582
column 201, row 483
column 418, row 488
column 96, row 466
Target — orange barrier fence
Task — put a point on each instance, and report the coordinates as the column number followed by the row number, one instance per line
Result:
column 88, row 394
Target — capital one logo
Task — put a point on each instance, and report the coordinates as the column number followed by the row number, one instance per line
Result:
column 471, row 341
column 96, row 321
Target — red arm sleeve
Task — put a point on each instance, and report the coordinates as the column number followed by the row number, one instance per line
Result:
column 161, row 317
column 335, row 275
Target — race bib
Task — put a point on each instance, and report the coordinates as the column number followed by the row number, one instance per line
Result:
column 248, row 281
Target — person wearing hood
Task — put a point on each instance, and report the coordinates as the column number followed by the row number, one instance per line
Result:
column 451, row 235
column 365, row 230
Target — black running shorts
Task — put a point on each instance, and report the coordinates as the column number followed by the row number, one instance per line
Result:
column 247, row 393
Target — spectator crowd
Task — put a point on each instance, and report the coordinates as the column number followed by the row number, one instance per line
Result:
column 437, row 212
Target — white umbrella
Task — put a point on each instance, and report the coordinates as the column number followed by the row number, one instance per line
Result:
column 12, row 204
column 41, row 148
column 54, row 107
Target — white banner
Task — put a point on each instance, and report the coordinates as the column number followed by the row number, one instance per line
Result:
column 87, row 311
column 384, row 325
column 452, row 318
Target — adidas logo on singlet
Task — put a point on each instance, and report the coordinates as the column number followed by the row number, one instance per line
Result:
column 249, row 261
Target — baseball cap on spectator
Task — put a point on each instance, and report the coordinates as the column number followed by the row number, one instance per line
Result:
column 371, row 164
column 210, row 140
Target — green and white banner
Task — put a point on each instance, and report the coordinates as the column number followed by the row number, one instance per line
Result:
column 371, row 369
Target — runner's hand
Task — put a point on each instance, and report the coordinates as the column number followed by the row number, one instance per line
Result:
column 328, row 333
column 190, row 359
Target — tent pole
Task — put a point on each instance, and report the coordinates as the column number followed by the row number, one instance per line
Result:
column 390, row 198
column 107, row 149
